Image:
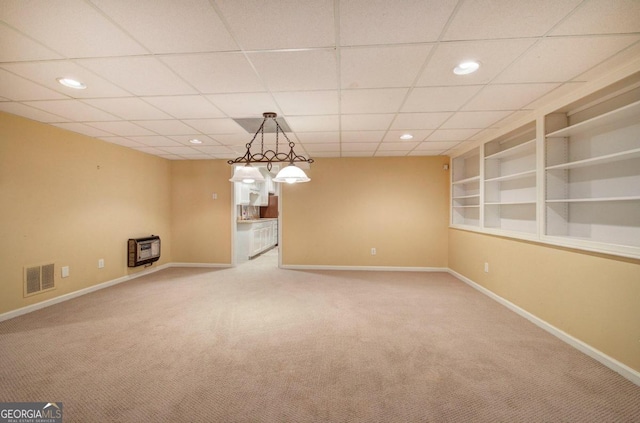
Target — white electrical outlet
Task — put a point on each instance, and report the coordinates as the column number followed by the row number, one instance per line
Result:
column 100, row 263
column 65, row 271
column 486, row 267
column 373, row 251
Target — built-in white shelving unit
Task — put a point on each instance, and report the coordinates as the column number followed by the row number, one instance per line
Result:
column 570, row 178
column 510, row 181
column 465, row 198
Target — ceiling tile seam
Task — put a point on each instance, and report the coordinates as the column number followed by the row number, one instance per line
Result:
column 62, row 56
column 263, row 83
column 630, row 46
column 116, row 24
column 422, row 68
column 336, row 32
column 516, row 59
column 61, row 92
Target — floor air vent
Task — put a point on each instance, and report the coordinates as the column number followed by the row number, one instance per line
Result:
column 39, row 279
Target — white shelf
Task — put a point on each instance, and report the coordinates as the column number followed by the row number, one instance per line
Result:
column 467, row 180
column 471, row 206
column 518, row 175
column 597, row 199
column 509, row 203
column 462, row 197
column 627, row 112
column 513, row 151
column 608, row 158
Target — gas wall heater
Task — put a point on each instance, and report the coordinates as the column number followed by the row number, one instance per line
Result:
column 143, row 251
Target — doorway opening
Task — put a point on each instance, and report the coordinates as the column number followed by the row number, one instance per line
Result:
column 256, row 220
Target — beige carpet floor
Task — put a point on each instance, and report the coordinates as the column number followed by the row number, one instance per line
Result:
column 260, row 344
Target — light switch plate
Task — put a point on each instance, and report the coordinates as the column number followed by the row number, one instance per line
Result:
column 65, row 271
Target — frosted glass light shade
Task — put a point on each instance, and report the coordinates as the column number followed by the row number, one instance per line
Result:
column 247, row 174
column 291, row 174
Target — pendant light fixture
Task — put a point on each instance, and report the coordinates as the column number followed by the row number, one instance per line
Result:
column 290, row 173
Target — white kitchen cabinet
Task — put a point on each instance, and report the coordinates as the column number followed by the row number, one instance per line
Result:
column 254, row 237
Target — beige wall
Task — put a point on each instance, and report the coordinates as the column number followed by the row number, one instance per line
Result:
column 70, row 199
column 200, row 225
column 593, row 297
column 397, row 205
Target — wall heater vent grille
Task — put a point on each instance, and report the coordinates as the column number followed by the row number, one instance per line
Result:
column 38, row 279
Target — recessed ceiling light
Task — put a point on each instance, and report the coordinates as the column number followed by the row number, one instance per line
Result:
column 406, row 137
column 466, row 68
column 72, row 83
column 195, row 141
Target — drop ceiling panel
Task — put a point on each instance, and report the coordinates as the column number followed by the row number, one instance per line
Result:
column 46, row 74
column 418, row 135
column 369, row 22
column 216, row 72
column 494, row 56
column 243, row 105
column 436, row 145
column 144, row 76
column 602, row 17
column 127, row 108
column 215, row 149
column 452, row 134
column 30, row 112
column 261, row 25
column 124, row 142
column 15, row 47
column 489, row 19
column 570, row 57
column 314, row 123
column 121, row 128
column 366, row 122
column 185, row 106
column 420, row 120
column 397, row 146
column 297, row 70
column 381, row 66
column 215, row 126
column 167, row 127
column 437, row 99
column 184, row 140
column 378, row 100
column 72, row 28
column 308, row 102
column 467, row 120
column 81, row 128
column 360, row 146
column 331, row 68
column 320, row 148
column 508, row 96
column 180, row 150
column 362, row 136
column 168, row 26
column 16, row 88
column 156, row 141
column 318, row 137
column 73, row 110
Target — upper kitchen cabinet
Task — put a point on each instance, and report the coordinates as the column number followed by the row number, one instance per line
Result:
column 465, row 189
column 592, row 171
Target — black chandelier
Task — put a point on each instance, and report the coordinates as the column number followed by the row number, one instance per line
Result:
column 290, row 174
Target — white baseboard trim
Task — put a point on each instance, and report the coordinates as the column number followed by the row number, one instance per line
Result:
column 610, row 362
column 211, row 265
column 364, row 268
column 66, row 297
